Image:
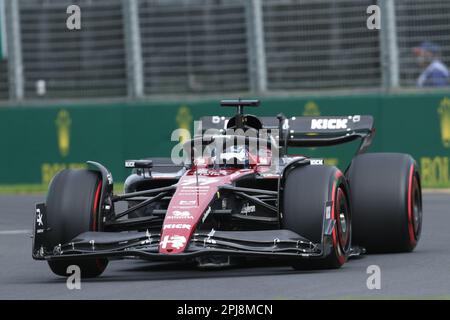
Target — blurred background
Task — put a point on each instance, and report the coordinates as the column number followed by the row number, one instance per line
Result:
column 138, row 69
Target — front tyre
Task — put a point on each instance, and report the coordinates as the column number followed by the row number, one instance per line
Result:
column 73, row 208
column 307, row 191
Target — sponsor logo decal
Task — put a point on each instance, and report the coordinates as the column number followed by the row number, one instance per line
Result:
column 180, row 215
column 129, row 164
column 184, row 120
column 202, row 181
column 63, row 123
column 435, row 171
column 40, row 224
column 39, row 218
column 328, row 210
column 177, row 226
column 444, row 113
column 187, row 202
column 316, row 162
column 330, row 124
column 174, row 242
column 311, row 109
column 246, row 209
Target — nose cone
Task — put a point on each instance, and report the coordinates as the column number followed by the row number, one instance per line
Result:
column 185, row 212
column 190, row 205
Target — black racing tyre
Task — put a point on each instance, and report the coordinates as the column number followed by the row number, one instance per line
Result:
column 386, row 199
column 306, row 193
column 72, row 208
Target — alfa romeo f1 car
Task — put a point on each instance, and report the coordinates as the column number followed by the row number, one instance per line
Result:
column 239, row 193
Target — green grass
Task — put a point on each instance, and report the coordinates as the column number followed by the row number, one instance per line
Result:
column 39, row 188
column 22, row 188
column 438, row 185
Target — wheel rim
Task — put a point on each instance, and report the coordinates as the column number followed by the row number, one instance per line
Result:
column 343, row 220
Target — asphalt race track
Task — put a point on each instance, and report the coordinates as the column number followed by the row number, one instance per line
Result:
column 425, row 273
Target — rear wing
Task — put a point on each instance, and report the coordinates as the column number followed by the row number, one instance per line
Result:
column 304, row 131
column 325, row 131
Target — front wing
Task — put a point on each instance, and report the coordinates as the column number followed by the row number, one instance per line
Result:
column 277, row 243
column 266, row 243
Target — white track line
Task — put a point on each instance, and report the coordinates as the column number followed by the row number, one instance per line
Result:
column 13, row 232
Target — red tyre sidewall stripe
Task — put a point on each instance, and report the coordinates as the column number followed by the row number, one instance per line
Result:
column 341, row 258
column 98, row 262
column 95, row 207
column 412, row 237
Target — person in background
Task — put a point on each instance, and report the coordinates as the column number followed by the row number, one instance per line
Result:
column 435, row 73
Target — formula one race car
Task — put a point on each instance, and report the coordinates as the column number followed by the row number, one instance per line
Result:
column 236, row 194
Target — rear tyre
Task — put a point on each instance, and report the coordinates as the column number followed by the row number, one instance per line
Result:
column 307, row 191
column 72, row 208
column 386, row 199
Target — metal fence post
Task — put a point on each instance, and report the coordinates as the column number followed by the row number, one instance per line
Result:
column 256, row 46
column 15, row 64
column 133, row 49
column 389, row 45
